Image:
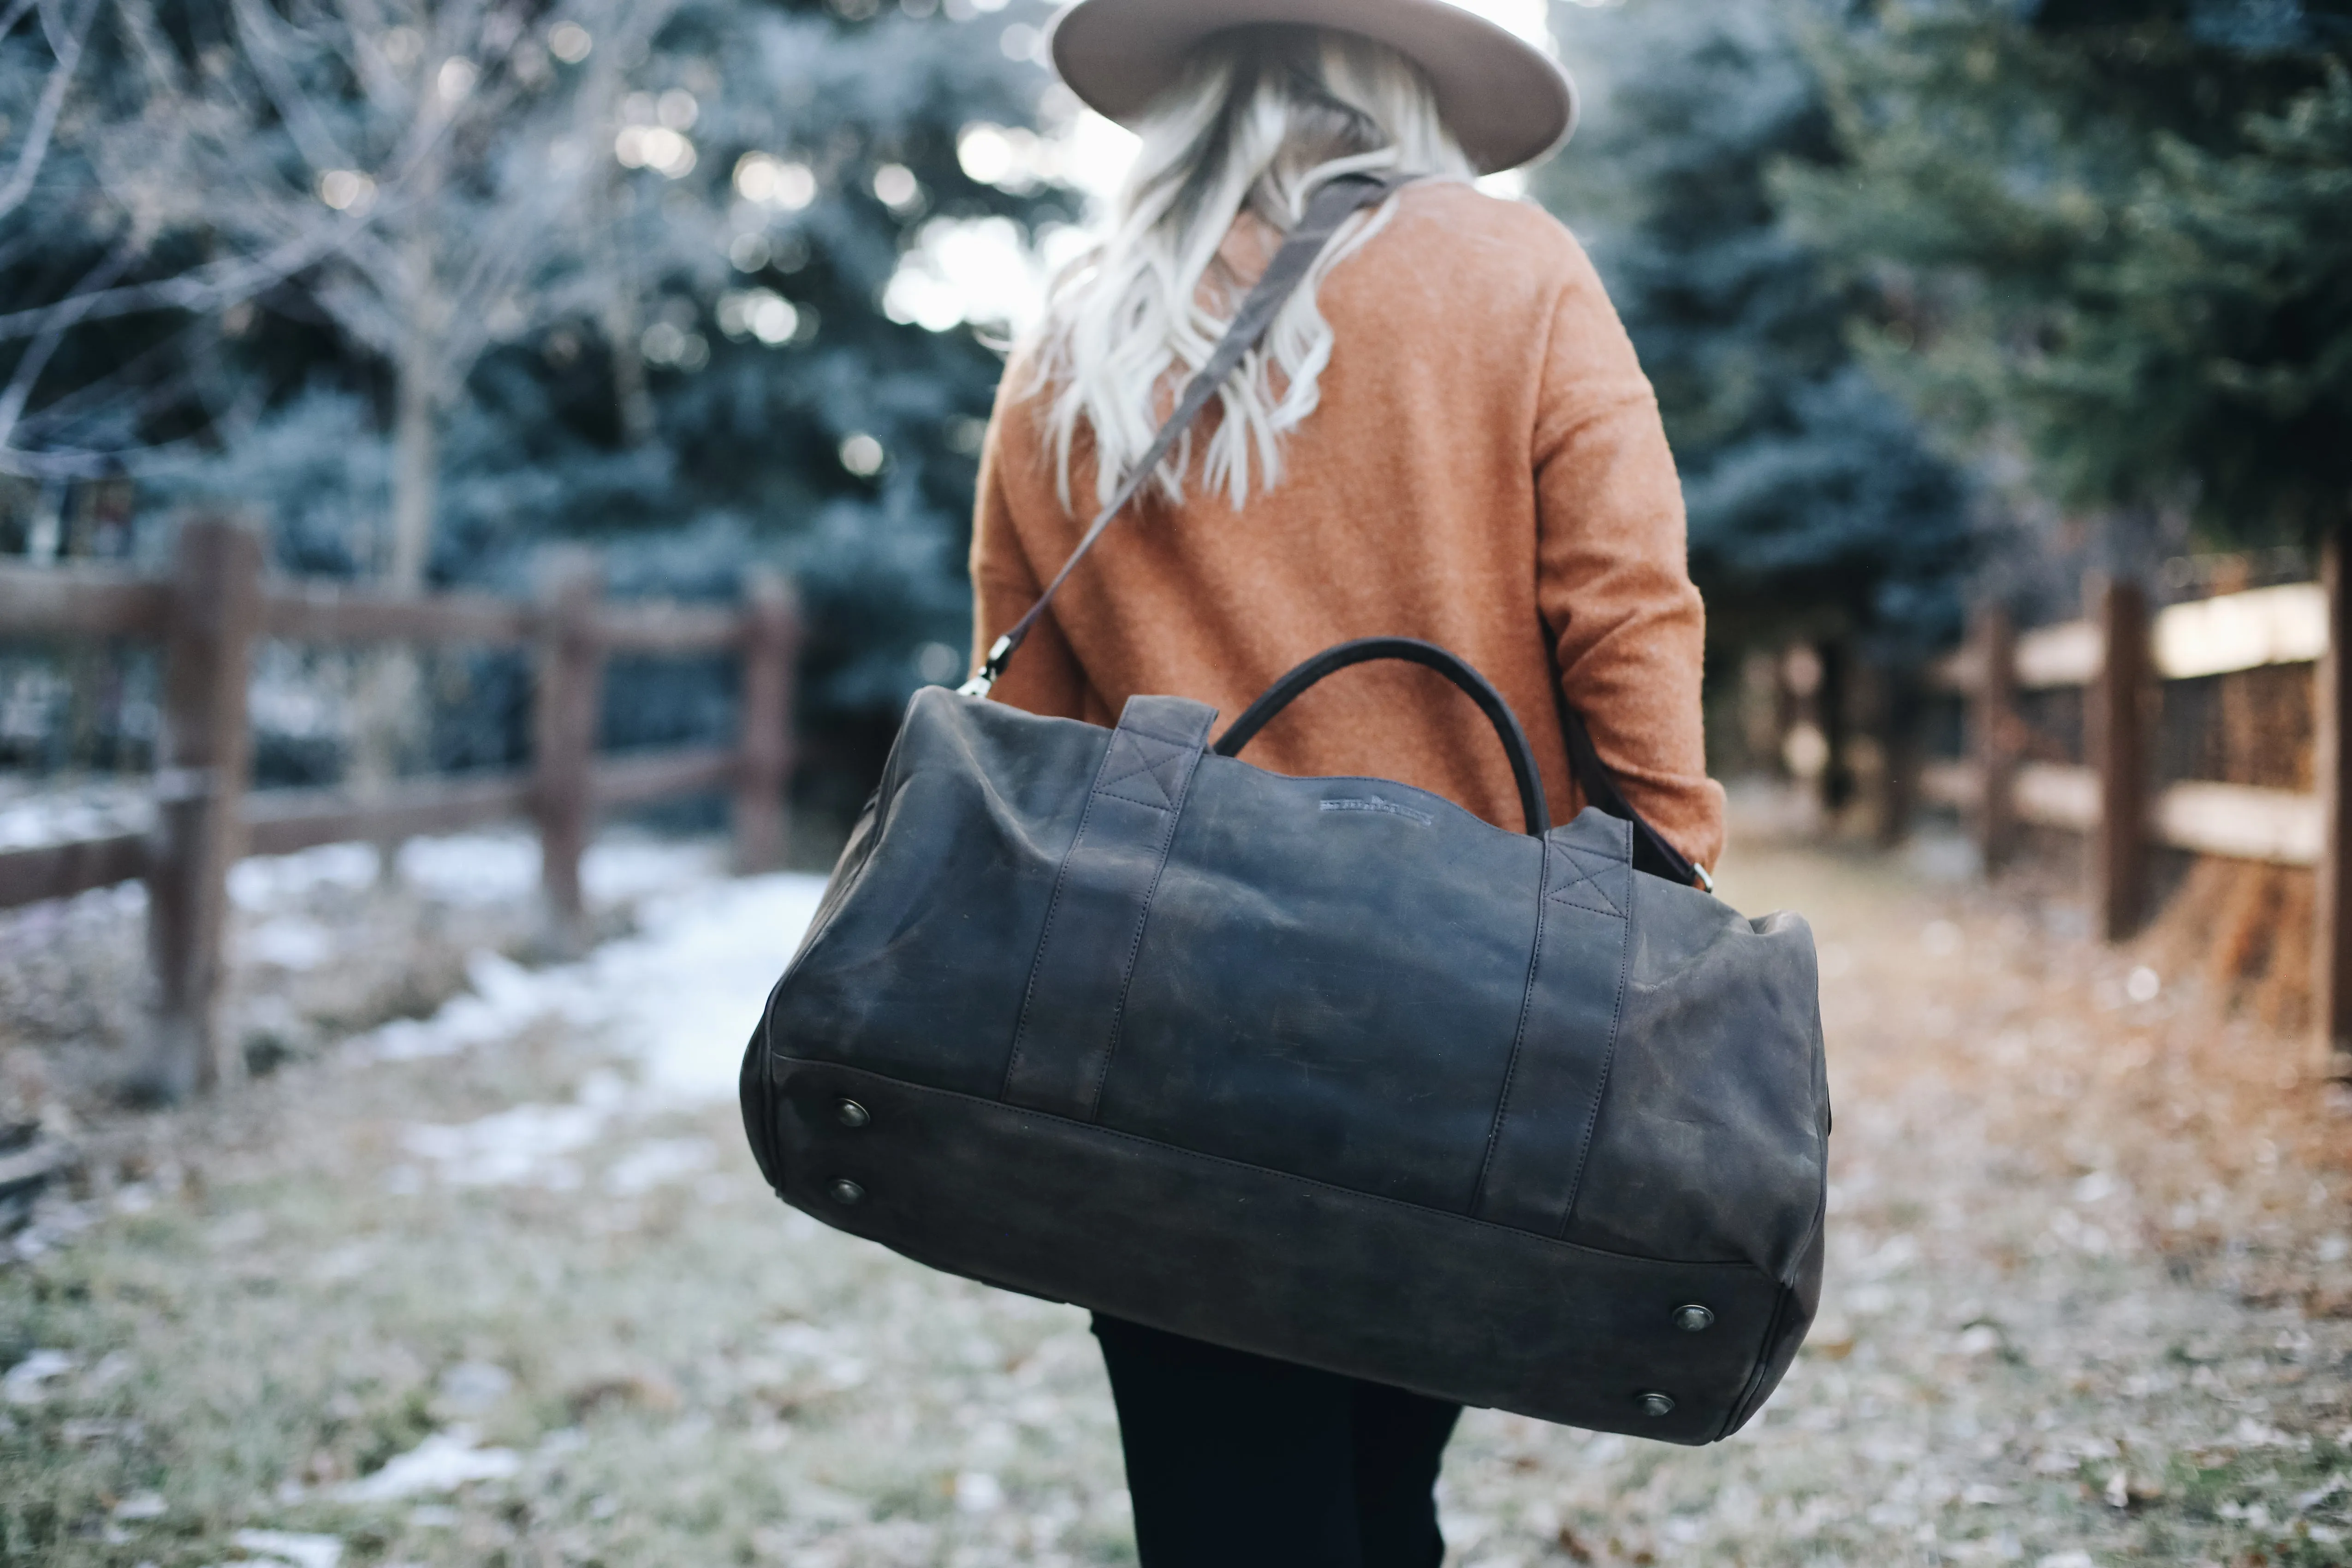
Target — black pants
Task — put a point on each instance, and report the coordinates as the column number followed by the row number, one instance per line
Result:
column 1235, row 1461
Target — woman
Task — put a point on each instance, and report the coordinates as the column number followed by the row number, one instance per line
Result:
column 1446, row 435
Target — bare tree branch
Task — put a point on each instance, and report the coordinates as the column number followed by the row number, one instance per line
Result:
column 29, row 157
column 464, row 216
column 267, row 56
column 211, row 287
column 158, row 69
column 14, row 15
column 38, row 355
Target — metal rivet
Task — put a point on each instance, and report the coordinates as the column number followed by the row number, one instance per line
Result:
column 1655, row 1404
column 1694, row 1319
column 849, row 1114
column 844, row 1191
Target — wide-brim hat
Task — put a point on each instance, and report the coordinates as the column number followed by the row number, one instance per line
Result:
column 1506, row 102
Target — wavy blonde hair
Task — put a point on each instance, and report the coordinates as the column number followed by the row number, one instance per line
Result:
column 1261, row 119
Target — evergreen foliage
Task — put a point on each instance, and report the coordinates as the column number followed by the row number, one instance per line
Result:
column 693, row 371
column 1815, row 505
column 2115, row 238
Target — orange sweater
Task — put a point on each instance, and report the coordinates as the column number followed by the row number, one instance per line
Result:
column 1487, row 471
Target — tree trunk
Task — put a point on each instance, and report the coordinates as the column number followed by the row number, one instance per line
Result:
column 416, row 476
column 631, row 397
column 388, row 725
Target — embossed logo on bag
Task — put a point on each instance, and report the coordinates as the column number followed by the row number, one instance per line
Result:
column 1386, row 807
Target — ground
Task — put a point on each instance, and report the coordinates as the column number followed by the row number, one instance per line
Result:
column 503, row 1286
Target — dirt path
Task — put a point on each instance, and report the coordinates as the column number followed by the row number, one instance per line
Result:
column 2087, row 1299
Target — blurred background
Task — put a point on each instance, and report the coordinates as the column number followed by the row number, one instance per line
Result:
column 476, row 473
column 1945, row 304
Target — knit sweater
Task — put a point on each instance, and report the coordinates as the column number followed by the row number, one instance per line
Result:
column 1485, row 471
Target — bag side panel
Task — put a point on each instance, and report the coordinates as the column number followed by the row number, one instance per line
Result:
column 1799, row 1302
column 1712, row 1139
column 753, row 1092
column 1327, row 988
column 918, row 968
column 1272, row 1264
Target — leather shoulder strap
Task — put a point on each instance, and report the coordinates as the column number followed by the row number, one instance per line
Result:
column 1331, row 207
column 1651, row 853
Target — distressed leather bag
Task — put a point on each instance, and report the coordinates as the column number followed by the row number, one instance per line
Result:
column 1327, row 1069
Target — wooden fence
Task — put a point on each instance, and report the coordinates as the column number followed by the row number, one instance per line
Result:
column 208, row 612
column 2118, row 655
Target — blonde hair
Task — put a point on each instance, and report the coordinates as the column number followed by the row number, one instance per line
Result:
column 1262, row 117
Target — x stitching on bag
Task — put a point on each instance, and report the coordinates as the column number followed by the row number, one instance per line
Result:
column 1144, row 757
column 1587, row 871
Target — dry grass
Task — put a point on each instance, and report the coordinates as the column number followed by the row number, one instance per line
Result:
column 2088, row 1274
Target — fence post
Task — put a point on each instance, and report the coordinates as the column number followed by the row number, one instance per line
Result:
column 564, row 712
column 771, row 635
column 204, row 758
column 2116, row 726
column 2331, row 970
column 1992, row 726
column 1893, row 737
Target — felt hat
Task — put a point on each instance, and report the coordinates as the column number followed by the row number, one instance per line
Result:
column 1506, row 102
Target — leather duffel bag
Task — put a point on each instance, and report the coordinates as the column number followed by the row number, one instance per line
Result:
column 1327, row 1069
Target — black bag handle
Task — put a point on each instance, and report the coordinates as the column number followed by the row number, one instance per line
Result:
column 1651, row 853
column 1429, row 656
column 1332, row 205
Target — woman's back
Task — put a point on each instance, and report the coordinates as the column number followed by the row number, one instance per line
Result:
column 1443, row 435
column 1485, row 471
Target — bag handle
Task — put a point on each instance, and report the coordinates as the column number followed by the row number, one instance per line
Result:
column 1651, row 853
column 1333, row 205
column 1429, row 656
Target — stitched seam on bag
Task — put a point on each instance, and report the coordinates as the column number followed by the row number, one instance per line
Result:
column 1180, row 740
column 1143, row 766
column 1053, row 908
column 1146, row 805
column 1518, row 1037
column 1135, row 943
column 1585, row 878
column 1741, row 1409
column 1537, row 1236
column 893, row 785
column 767, row 1148
column 1608, row 1063
column 1783, row 1297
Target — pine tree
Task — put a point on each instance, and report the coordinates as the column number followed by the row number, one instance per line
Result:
column 2115, row 238
column 1815, row 505
column 852, row 442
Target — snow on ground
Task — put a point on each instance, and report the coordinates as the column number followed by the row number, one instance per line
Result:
column 681, row 996
column 480, row 868
column 323, row 946
column 676, row 1000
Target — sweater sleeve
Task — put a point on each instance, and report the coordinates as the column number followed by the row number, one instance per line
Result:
column 1043, row 676
column 1613, row 583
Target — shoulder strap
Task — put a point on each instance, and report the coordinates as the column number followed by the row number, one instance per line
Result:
column 1331, row 207
column 1651, row 853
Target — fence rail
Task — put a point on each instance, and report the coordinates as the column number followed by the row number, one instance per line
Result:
column 2286, row 625
column 2119, row 655
column 216, row 603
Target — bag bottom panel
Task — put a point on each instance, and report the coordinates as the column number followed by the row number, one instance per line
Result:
column 1273, row 1263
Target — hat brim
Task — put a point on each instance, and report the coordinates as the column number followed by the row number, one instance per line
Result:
column 1506, row 102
